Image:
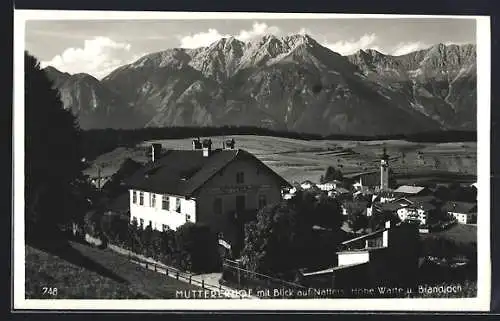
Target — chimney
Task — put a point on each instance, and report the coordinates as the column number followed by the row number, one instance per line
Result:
column 207, row 147
column 196, row 143
column 155, row 152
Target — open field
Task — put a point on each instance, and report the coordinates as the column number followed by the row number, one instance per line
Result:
column 298, row 160
column 94, row 274
column 459, row 233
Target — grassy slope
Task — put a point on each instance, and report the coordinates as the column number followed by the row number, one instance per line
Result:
column 72, row 281
column 126, row 279
column 299, row 159
column 459, row 233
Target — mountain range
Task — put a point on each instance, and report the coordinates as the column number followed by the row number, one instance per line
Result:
column 283, row 83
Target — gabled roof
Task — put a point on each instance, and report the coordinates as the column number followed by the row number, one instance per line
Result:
column 341, row 190
column 460, row 207
column 415, row 202
column 182, row 172
column 408, row 189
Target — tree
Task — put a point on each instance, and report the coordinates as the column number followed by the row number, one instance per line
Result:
column 198, row 248
column 331, row 174
column 357, row 219
column 52, row 154
column 282, row 238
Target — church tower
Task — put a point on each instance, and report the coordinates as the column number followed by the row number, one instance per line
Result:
column 384, row 171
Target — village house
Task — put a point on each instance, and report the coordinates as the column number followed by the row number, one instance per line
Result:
column 307, row 184
column 411, row 209
column 372, row 181
column 411, row 190
column 364, row 182
column 330, row 185
column 388, row 256
column 217, row 187
column 463, row 212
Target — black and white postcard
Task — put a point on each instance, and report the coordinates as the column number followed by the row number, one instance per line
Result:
column 251, row 161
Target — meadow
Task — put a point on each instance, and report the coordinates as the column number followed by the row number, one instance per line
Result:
column 79, row 271
column 299, row 160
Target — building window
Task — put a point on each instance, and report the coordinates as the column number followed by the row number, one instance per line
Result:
column 240, row 203
column 165, row 202
column 141, row 198
column 262, row 201
column 188, row 217
column 152, row 201
column 164, row 227
column 134, row 197
column 240, row 178
column 178, row 205
column 218, row 205
column 141, row 223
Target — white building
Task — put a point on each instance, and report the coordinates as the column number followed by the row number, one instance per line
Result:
column 216, row 187
column 408, row 209
column 463, row 212
column 307, row 184
column 329, row 186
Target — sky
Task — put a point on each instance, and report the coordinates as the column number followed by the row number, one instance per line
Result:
column 98, row 47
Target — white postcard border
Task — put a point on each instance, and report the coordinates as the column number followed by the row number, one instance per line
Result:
column 481, row 303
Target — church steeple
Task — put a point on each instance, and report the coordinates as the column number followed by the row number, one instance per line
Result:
column 384, row 154
column 384, row 170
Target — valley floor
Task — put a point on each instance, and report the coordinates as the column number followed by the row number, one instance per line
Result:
column 299, row 160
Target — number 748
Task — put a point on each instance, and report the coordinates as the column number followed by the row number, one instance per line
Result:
column 49, row 291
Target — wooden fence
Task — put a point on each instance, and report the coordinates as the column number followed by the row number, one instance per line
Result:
column 184, row 276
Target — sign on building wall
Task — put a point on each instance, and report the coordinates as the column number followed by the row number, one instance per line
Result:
column 237, row 189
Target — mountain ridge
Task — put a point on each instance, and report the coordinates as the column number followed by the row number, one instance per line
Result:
column 284, row 83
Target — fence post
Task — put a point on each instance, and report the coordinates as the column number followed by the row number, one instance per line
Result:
column 239, row 274
column 166, row 271
column 189, row 278
column 155, row 267
column 177, row 275
column 202, row 284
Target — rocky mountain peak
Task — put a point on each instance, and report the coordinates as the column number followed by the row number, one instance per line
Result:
column 271, row 82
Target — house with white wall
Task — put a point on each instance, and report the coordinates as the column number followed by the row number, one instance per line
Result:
column 383, row 257
column 330, row 185
column 411, row 209
column 463, row 212
column 217, row 187
column 307, row 184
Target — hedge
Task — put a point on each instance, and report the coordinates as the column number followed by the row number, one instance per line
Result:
column 192, row 247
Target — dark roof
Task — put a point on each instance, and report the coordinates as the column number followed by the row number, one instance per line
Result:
column 389, row 207
column 460, row 207
column 356, row 204
column 423, row 199
column 182, row 172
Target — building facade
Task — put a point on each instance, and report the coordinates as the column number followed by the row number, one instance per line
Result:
column 221, row 188
column 463, row 212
